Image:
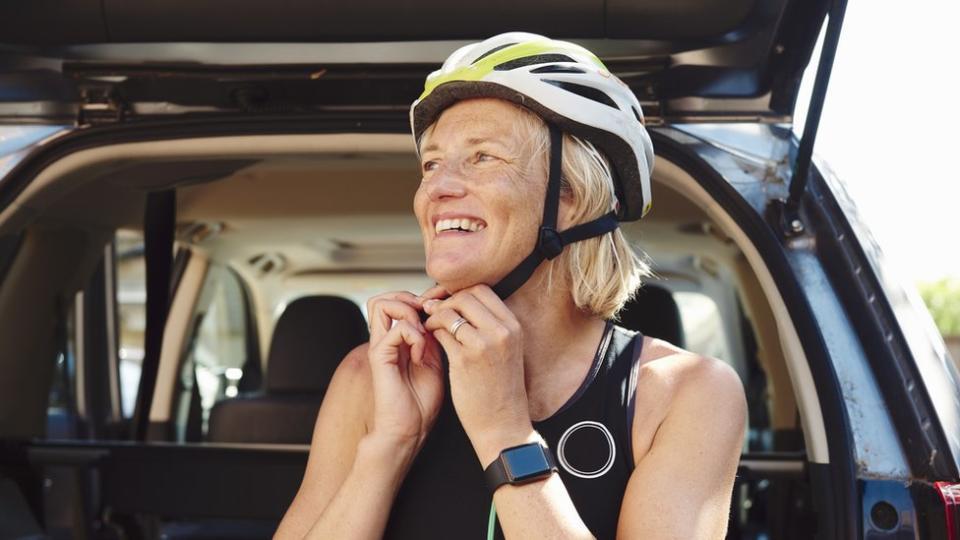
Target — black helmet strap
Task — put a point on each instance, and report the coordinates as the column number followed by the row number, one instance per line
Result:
column 550, row 242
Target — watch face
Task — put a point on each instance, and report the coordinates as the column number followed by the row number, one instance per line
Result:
column 525, row 462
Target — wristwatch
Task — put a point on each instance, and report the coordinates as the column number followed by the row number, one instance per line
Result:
column 520, row 464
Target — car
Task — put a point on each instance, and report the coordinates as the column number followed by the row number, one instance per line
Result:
column 196, row 201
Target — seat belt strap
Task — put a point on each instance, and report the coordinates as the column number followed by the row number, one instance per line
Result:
column 158, row 228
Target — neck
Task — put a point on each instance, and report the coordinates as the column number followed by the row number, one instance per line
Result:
column 556, row 334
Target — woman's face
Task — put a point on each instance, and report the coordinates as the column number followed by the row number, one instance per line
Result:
column 480, row 202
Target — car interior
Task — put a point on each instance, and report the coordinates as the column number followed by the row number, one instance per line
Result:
column 280, row 239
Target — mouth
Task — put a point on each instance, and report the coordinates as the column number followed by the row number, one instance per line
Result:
column 462, row 225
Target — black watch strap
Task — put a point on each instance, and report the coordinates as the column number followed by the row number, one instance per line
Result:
column 520, row 464
column 496, row 475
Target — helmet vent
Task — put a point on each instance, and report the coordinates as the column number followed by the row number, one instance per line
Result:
column 530, row 60
column 491, row 51
column 636, row 114
column 557, row 69
column 585, row 91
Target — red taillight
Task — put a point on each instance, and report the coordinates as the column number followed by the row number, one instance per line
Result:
column 950, row 495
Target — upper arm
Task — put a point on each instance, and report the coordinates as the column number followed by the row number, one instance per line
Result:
column 682, row 486
column 341, row 423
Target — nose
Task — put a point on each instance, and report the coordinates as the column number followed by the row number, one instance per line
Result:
column 445, row 183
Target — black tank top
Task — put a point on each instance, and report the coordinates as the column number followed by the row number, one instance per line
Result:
column 444, row 495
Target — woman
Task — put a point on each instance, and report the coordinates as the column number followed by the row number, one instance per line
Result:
column 516, row 408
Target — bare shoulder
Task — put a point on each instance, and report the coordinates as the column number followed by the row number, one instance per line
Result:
column 687, row 444
column 690, row 389
column 354, row 365
column 342, row 420
column 352, row 381
column 682, row 374
column 709, row 389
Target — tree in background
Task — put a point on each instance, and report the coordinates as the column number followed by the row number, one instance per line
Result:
column 943, row 300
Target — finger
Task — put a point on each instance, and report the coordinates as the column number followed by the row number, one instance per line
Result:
column 436, row 292
column 416, row 350
column 430, row 297
column 403, row 296
column 485, row 295
column 449, row 344
column 471, row 309
column 387, row 311
column 382, row 315
column 432, row 351
column 443, row 319
column 404, row 333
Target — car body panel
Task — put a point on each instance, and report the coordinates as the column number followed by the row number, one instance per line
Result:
column 925, row 343
column 326, row 20
column 741, row 61
column 829, row 443
column 767, row 149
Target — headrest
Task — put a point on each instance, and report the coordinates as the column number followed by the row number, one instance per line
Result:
column 312, row 336
column 654, row 312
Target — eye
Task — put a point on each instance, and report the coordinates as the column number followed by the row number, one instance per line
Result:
column 429, row 165
column 483, row 156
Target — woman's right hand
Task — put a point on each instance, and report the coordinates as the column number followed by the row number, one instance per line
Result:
column 406, row 368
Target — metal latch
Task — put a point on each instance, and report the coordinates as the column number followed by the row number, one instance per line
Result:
column 99, row 105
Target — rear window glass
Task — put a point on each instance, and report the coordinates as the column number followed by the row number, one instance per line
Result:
column 131, row 293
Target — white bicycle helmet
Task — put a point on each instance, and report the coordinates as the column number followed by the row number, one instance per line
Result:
column 571, row 89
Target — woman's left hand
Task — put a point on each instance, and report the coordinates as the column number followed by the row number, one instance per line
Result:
column 486, row 368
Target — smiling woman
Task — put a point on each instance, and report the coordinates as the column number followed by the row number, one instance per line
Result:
column 603, row 271
column 505, row 398
column 474, row 148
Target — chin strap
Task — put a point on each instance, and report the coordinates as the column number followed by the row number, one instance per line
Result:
column 551, row 242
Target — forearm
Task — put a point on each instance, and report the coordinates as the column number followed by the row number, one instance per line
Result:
column 540, row 509
column 361, row 506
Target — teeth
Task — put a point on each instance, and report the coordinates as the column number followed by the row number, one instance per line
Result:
column 459, row 224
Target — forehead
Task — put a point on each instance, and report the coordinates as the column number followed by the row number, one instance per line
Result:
column 472, row 120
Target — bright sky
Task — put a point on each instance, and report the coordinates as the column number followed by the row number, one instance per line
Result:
column 889, row 128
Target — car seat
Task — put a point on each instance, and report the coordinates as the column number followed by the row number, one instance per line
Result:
column 312, row 336
column 654, row 312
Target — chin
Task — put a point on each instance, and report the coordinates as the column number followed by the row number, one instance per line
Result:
column 454, row 277
column 452, row 282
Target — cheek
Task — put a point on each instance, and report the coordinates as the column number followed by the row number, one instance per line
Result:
column 419, row 203
column 531, row 199
column 522, row 187
column 524, row 213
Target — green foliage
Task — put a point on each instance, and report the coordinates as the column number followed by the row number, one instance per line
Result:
column 943, row 300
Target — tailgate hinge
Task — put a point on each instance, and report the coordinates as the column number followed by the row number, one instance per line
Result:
column 99, row 105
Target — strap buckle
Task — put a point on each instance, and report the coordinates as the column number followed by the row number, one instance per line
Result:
column 550, row 243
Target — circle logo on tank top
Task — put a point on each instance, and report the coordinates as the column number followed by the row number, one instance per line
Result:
column 586, row 449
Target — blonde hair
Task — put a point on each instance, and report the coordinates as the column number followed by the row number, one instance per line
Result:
column 604, row 272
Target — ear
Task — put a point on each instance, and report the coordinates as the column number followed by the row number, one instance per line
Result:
column 567, row 207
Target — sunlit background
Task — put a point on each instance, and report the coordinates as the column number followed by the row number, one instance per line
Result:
column 889, row 131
